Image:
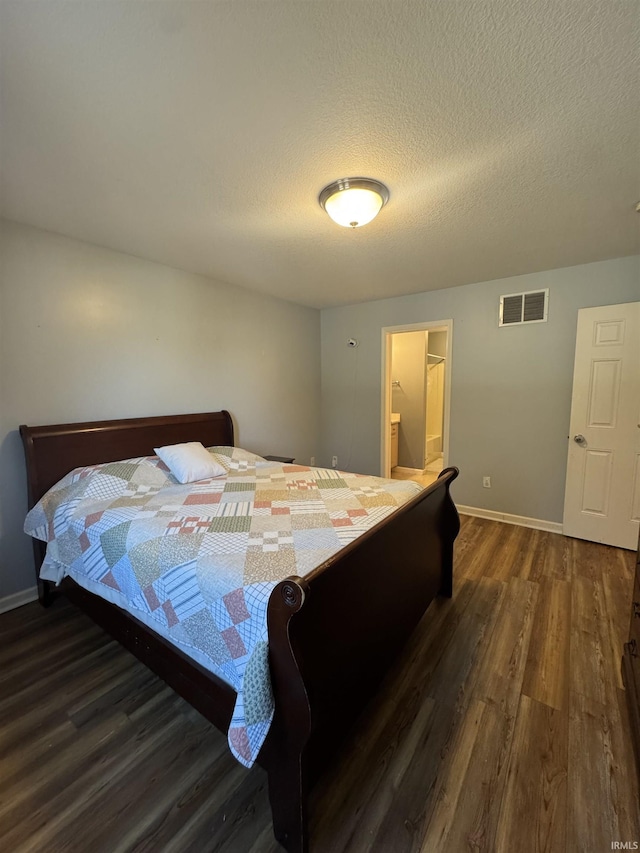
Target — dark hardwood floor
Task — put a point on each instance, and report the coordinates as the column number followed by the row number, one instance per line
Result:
column 503, row 728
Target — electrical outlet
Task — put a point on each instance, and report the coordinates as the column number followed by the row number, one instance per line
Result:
column 334, row 461
column 312, row 461
column 486, row 482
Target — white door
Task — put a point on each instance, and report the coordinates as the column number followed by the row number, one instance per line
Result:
column 602, row 494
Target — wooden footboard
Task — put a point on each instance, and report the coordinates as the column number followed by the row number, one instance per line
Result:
column 334, row 634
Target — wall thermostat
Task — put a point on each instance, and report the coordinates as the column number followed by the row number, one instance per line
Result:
column 352, row 342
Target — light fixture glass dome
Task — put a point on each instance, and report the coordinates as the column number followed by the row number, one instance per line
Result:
column 353, row 202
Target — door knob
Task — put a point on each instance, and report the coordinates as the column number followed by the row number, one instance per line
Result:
column 579, row 439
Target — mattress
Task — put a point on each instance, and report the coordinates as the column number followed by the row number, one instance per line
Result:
column 197, row 562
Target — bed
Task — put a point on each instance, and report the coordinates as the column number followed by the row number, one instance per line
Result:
column 332, row 634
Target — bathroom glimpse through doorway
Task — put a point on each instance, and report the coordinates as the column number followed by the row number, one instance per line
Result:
column 416, row 369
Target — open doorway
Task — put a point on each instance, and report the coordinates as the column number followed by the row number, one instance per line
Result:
column 416, row 373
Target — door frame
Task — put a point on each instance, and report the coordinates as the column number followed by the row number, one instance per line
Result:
column 385, row 396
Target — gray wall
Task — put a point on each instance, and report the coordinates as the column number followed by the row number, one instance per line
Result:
column 87, row 333
column 511, row 387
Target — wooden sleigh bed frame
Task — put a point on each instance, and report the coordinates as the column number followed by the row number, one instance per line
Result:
column 332, row 634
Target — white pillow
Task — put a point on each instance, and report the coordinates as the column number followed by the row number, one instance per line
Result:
column 189, row 462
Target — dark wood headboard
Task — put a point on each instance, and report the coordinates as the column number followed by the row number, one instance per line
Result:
column 52, row 451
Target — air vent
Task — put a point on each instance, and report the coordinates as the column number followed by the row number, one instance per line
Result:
column 518, row 308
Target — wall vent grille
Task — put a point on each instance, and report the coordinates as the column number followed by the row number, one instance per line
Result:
column 519, row 308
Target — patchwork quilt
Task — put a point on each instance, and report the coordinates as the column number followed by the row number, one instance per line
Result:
column 200, row 560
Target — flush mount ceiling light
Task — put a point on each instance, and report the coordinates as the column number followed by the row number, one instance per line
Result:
column 353, row 202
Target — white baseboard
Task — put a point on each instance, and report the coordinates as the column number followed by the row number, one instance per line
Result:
column 410, row 472
column 507, row 518
column 25, row 596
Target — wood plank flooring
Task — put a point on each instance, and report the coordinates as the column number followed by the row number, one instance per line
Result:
column 503, row 728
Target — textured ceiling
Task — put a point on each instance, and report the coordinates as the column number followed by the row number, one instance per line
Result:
column 199, row 134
